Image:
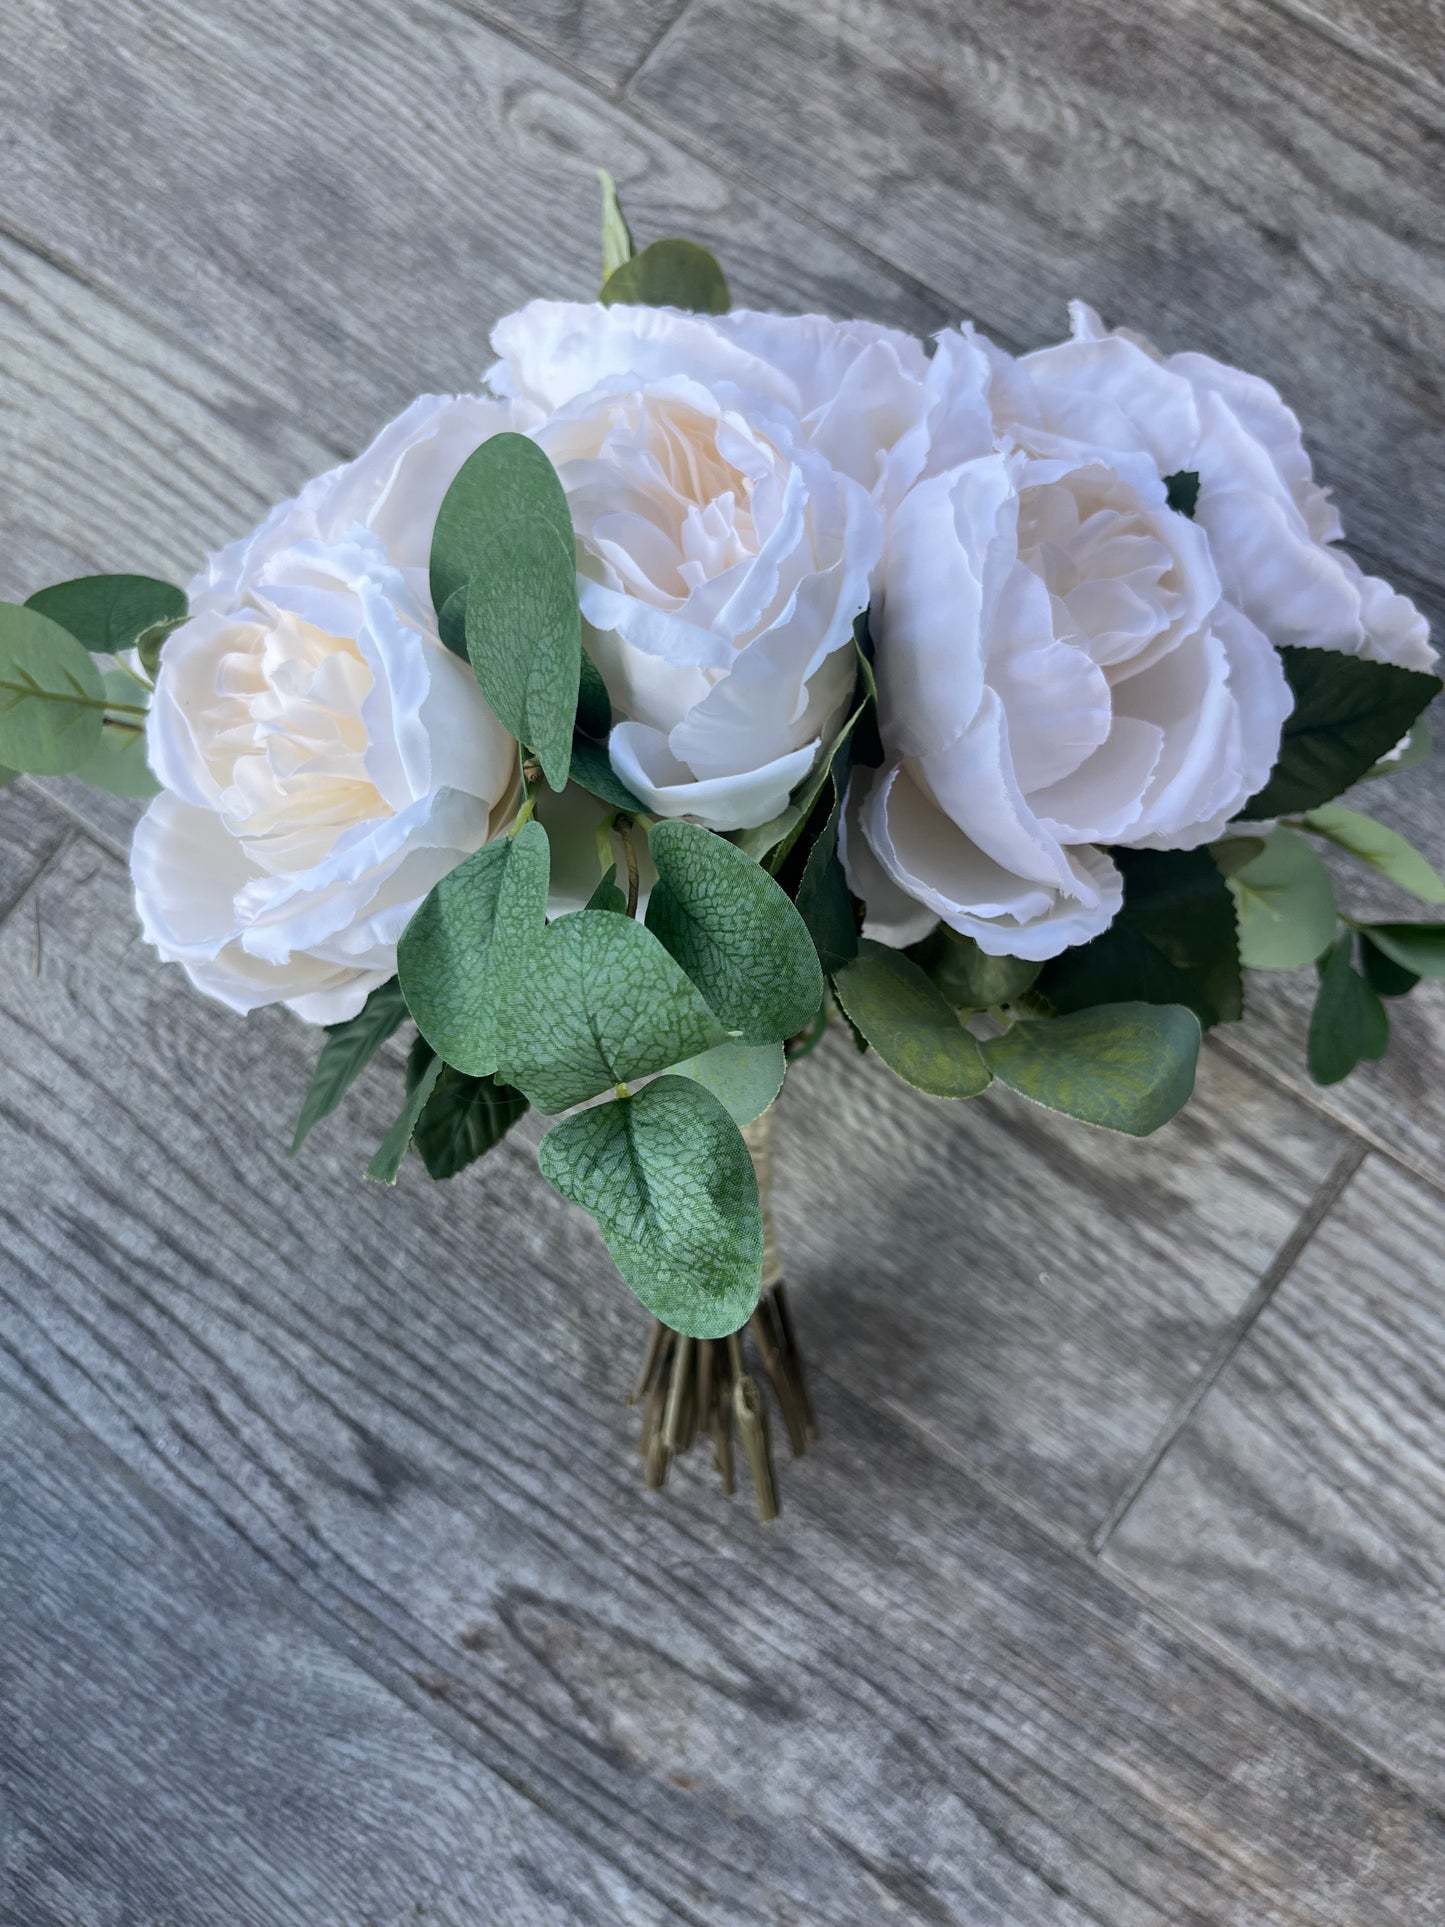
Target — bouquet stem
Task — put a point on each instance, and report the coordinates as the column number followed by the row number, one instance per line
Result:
column 692, row 1389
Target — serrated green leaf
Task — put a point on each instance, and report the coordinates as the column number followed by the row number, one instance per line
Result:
column 607, row 896
column 591, row 768
column 1348, row 1022
column 670, row 273
column 603, row 1004
column 1174, row 942
column 734, row 932
column 1414, row 946
column 348, row 1049
column 471, row 943
column 1285, row 903
column 52, row 698
column 617, row 247
column 110, row 613
column 1384, row 976
column 968, row 977
column 1124, row 1067
column 1383, row 849
column 887, row 999
column 745, row 1078
column 1347, row 713
column 524, row 639
column 1418, row 745
column 463, row 1119
column 667, row 1176
column 384, row 1167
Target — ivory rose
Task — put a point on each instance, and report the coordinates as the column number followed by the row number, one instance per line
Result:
column 722, row 475
column 325, row 760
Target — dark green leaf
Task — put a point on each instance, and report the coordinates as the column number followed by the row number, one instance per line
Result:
column 452, row 623
column 887, row 998
column 968, row 977
column 825, row 902
column 524, row 638
column 1348, row 712
column 1384, row 976
column 109, row 613
column 52, row 698
column 1286, row 904
column 607, row 896
column 617, row 245
column 604, row 1004
column 591, row 767
column 1174, row 942
column 734, row 932
column 668, row 1178
column 1417, row 747
column 1125, row 1067
column 348, row 1049
column 468, row 947
column 669, row 274
column 384, row 1167
column 1414, row 946
column 594, row 705
column 150, row 642
column 1182, row 490
column 463, row 1119
column 1348, row 1022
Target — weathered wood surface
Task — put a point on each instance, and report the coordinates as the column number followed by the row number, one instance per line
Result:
column 238, row 236
column 403, row 1407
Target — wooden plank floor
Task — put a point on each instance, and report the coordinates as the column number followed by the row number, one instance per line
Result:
column 328, row 1593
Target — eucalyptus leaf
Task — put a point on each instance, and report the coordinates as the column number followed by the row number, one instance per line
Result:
column 1383, row 849
column 1348, row 712
column 969, row 977
column 524, row 638
column 1348, row 1022
column 1286, row 904
column 452, row 623
column 7, row 776
column 916, row 1032
column 745, row 1078
column 734, row 932
column 384, row 1167
column 1414, row 946
column 349, row 1048
column 591, row 768
column 110, row 613
column 594, row 705
column 151, row 641
column 52, row 698
column 617, row 247
column 669, row 274
column 607, row 896
column 603, row 1004
column 1124, row 1067
column 469, row 945
column 506, row 484
column 667, row 1176
column 118, row 763
column 1384, row 976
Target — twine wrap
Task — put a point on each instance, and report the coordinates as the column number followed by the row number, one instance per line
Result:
column 758, row 1136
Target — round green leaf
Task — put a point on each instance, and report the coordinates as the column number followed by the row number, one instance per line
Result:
column 1285, row 903
column 1384, row 849
column 910, row 1024
column 52, row 698
column 745, row 1078
column 524, row 638
column 668, row 1178
column 968, row 977
column 669, row 274
column 506, row 484
column 1126, row 1067
column 110, row 613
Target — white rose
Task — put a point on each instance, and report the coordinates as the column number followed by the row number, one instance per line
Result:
column 721, row 473
column 325, row 759
column 1058, row 669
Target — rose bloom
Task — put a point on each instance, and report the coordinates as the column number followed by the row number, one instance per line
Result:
column 325, row 759
column 722, row 474
column 1059, row 668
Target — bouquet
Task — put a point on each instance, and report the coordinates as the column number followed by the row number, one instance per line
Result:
column 717, row 676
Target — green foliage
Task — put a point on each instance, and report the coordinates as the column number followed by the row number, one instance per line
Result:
column 1347, row 714
column 1182, row 491
column 1413, row 946
column 150, row 642
column 668, row 1178
column 773, row 842
column 1174, row 942
column 594, row 705
column 824, row 901
column 617, row 248
column 591, row 768
column 452, row 622
column 1349, row 1022
column 7, row 776
column 463, row 1119
column 603, row 1004
column 745, row 1078
column 1418, row 745
column 1126, row 1067
column 52, row 698
column 348, row 1049
column 1384, row 976
column 1383, row 849
column 384, row 1167
column 1286, row 904
column 607, row 896
column 887, row 998
column 669, row 274
column 968, row 977
column 471, row 943
column 734, row 932
column 110, row 613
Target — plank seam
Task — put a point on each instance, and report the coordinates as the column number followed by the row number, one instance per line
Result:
column 65, row 836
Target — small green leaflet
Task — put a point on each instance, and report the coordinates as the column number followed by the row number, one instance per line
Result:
column 603, row 1004
column 669, row 274
column 1413, row 946
column 1286, row 904
column 967, row 976
column 470, row 945
column 1384, row 849
column 1348, row 1023
column 384, row 1167
column 52, row 698
column 607, row 896
column 734, row 932
column 1182, row 491
column 463, row 1119
column 591, row 767
column 110, row 613
column 1384, row 976
column 1125, row 1067
column 150, row 642
column 907, row 1021
column 668, row 1178
column 617, row 248
column 348, row 1049
column 1348, row 713
column 745, row 1078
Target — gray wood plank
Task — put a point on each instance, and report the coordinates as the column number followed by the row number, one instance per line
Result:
column 605, row 38
column 178, row 1748
column 1301, row 1516
column 31, row 830
column 905, row 1702
column 1408, row 34
column 1214, row 173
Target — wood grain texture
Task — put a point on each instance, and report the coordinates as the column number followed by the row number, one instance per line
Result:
column 910, row 1703
column 180, row 1748
column 1214, row 173
column 31, row 830
column 604, row 38
column 1301, row 1516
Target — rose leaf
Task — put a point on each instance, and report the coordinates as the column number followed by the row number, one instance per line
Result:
column 1383, row 849
column 349, row 1048
column 384, row 1167
column 1413, row 946
column 1348, row 1022
column 463, row 1119
column 1125, row 1067
column 968, row 977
